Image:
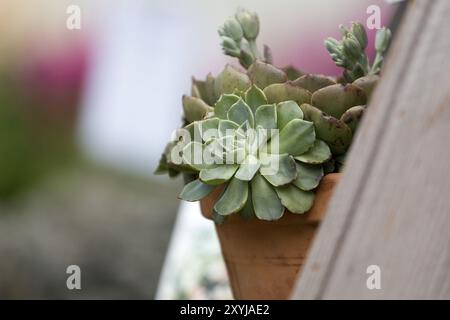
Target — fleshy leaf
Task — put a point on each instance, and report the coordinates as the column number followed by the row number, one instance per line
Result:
column 218, row 175
column 248, row 168
column 266, row 203
column 210, row 93
column 367, row 83
column 195, row 190
column 266, row 117
column 193, row 155
column 313, row 82
column 292, row 72
column 226, row 127
column 197, row 88
column 241, row 113
column 336, row 99
column 233, row 199
column 296, row 137
column 194, row 108
column 318, row 153
column 308, row 176
column 294, row 199
column 263, row 74
column 224, row 104
column 353, row 116
column 333, row 131
column 208, row 129
column 229, row 80
column 218, row 219
column 255, row 97
column 286, row 111
column 247, row 211
column 278, row 169
column 280, row 92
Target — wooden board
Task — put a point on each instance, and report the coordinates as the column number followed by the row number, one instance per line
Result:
column 392, row 207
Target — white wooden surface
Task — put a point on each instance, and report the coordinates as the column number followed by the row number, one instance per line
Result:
column 392, row 207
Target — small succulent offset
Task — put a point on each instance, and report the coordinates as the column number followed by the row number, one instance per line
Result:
column 349, row 53
column 238, row 35
column 316, row 117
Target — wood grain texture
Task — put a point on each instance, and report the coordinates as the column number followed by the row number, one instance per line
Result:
column 392, row 206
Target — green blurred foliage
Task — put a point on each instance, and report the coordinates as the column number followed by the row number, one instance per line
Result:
column 32, row 143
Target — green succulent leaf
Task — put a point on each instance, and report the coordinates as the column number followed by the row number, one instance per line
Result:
column 333, row 131
column 286, row 111
column 313, row 82
column 218, row 219
column 229, row 80
column 308, row 176
column 263, row 74
column 192, row 155
column 239, row 93
column 296, row 137
column 194, row 131
column 226, row 148
column 255, row 97
column 295, row 199
column 249, row 22
column 247, row 212
column 195, row 191
column 266, row 203
column 209, row 95
column 336, row 99
column 278, row 169
column 280, row 92
column 241, row 113
column 367, row 83
column 268, row 57
column 248, row 168
column 208, row 129
column 224, row 104
column 353, row 116
column 226, row 127
column 233, row 198
column 317, row 154
column 198, row 129
column 218, row 175
column 292, row 72
column 197, row 88
column 266, row 117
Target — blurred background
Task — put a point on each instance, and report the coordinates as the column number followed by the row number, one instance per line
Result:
column 84, row 116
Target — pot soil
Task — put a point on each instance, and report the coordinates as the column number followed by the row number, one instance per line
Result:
column 264, row 258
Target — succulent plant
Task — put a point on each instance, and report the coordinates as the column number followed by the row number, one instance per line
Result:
column 275, row 156
column 234, row 113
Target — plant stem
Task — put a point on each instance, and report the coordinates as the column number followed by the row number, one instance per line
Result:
column 376, row 63
column 254, row 49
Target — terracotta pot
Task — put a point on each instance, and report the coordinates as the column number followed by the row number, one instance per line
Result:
column 264, row 258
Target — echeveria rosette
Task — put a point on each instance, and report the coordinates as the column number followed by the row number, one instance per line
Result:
column 197, row 106
column 249, row 186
